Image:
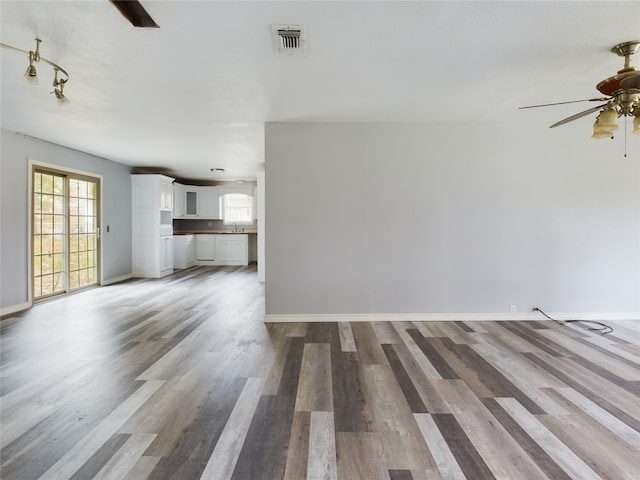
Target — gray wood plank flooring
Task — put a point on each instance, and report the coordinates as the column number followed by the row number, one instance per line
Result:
column 179, row 378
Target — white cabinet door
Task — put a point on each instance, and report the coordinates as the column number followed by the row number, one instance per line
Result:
column 190, row 251
column 166, row 254
column 190, row 201
column 166, row 195
column 205, row 247
column 178, row 200
column 232, row 249
column 179, row 251
column 208, row 203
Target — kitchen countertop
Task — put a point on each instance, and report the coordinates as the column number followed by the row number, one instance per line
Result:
column 216, row 232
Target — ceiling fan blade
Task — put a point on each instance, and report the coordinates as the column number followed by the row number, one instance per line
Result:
column 578, row 115
column 632, row 81
column 133, row 11
column 564, row 103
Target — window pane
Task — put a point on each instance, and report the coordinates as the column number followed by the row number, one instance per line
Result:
column 58, row 223
column 73, row 243
column 37, row 287
column 47, row 203
column 37, row 203
column 58, row 185
column 73, row 188
column 37, row 266
column 37, row 224
column 37, row 245
column 73, row 279
column 47, row 244
column 47, row 184
column 73, row 262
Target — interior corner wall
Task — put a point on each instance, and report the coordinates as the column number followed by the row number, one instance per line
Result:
column 419, row 218
column 16, row 151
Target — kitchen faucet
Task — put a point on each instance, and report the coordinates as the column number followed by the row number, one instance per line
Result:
column 235, row 227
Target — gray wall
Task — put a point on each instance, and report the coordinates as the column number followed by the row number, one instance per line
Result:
column 116, row 208
column 411, row 218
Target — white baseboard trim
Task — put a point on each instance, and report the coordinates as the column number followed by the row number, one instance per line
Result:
column 14, row 308
column 121, row 278
column 448, row 317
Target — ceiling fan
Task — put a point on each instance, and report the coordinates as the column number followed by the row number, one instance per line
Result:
column 622, row 96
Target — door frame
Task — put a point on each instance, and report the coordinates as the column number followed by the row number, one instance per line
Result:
column 32, row 165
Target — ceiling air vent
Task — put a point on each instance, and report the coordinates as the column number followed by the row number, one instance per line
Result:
column 290, row 39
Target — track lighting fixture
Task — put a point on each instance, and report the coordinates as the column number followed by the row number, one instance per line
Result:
column 31, row 75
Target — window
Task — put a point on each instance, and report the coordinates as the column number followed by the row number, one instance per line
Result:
column 237, row 208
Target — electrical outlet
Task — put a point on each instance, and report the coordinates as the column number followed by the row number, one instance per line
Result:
column 210, row 224
column 514, row 310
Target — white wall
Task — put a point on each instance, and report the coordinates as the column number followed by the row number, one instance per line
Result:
column 410, row 218
column 116, row 208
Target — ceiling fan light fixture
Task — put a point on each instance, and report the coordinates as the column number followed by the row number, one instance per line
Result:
column 599, row 132
column 608, row 119
column 636, row 124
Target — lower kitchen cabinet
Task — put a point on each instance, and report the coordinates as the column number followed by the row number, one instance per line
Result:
column 166, row 255
column 221, row 249
column 205, row 247
column 232, row 249
column 184, row 254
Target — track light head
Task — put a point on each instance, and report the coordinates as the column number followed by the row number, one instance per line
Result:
column 58, row 88
column 31, row 75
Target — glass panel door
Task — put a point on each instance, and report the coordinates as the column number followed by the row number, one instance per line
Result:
column 65, row 241
column 49, row 276
column 83, row 233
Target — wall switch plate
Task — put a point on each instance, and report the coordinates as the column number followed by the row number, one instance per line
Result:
column 514, row 310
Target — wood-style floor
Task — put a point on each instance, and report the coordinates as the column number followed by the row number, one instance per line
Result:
column 179, row 378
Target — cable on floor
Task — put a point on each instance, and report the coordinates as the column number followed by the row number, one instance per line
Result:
column 599, row 326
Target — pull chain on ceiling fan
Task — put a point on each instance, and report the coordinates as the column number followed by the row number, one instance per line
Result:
column 622, row 100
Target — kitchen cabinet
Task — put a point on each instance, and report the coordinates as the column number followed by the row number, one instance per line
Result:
column 221, row 249
column 205, row 247
column 232, row 249
column 190, row 201
column 197, row 202
column 183, row 251
column 166, row 255
column 178, row 200
column 166, row 193
column 151, row 222
column 208, row 203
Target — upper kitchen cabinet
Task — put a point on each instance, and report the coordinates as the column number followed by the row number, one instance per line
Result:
column 196, row 202
column 166, row 193
column 190, row 201
column 178, row 200
column 209, row 203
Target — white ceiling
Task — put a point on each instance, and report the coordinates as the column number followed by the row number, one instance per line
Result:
column 195, row 93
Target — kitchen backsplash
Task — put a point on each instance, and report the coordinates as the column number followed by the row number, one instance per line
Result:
column 188, row 225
